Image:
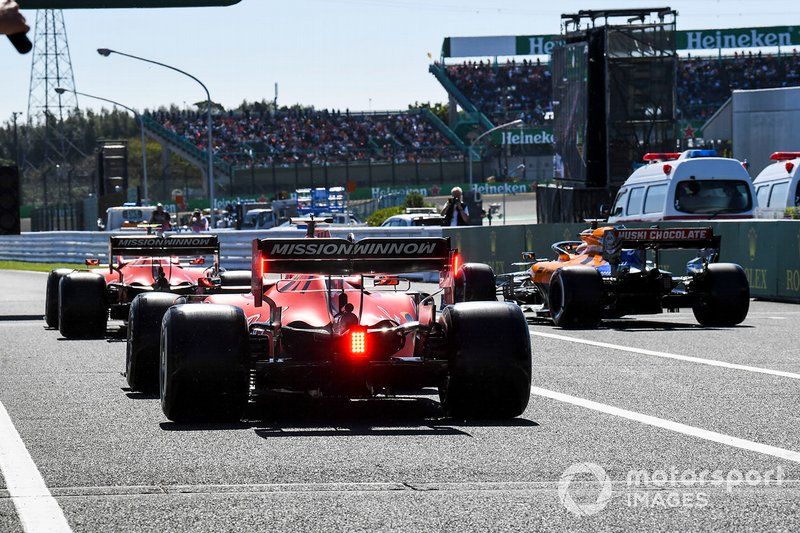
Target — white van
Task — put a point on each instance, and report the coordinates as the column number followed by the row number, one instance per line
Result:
column 127, row 217
column 778, row 185
column 692, row 185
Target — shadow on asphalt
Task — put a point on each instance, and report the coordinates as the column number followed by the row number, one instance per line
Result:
column 20, row 318
column 633, row 325
column 331, row 418
column 111, row 335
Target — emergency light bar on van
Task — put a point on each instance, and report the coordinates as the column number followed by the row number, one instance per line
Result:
column 784, row 156
column 661, row 156
column 701, row 153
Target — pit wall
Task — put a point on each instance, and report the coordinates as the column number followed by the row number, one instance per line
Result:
column 768, row 250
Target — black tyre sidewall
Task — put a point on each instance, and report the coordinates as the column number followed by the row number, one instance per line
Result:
column 236, row 278
column 475, row 282
column 203, row 374
column 82, row 306
column 489, row 374
column 724, row 298
column 142, row 354
column 51, row 298
column 575, row 297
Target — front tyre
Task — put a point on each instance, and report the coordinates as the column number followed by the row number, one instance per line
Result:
column 82, row 306
column 204, row 363
column 723, row 296
column 51, row 298
column 144, row 335
column 489, row 373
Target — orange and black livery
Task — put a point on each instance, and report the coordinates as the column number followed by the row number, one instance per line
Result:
column 611, row 272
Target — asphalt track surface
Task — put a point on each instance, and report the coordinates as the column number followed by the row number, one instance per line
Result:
column 651, row 393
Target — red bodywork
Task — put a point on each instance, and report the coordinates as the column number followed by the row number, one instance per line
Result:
column 306, row 301
column 143, row 271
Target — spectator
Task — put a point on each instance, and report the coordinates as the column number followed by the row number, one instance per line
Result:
column 306, row 136
column 161, row 218
column 198, row 222
column 455, row 212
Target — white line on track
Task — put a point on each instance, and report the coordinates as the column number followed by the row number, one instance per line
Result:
column 687, row 358
column 37, row 510
column 713, row 436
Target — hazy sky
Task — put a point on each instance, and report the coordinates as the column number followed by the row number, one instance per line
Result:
column 326, row 53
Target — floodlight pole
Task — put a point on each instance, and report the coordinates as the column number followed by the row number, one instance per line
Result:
column 210, row 147
column 137, row 115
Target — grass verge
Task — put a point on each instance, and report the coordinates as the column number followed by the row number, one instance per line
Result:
column 36, row 267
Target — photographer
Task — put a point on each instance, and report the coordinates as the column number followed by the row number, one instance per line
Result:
column 455, row 212
column 160, row 216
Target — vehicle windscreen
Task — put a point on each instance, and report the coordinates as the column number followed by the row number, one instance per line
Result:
column 249, row 220
column 713, row 196
column 135, row 215
column 428, row 221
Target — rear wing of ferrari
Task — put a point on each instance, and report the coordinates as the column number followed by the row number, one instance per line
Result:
column 336, row 256
column 163, row 246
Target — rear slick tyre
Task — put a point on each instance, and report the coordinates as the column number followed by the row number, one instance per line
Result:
column 575, row 297
column 204, row 363
column 489, row 361
column 51, row 298
column 724, row 296
column 82, row 307
column 475, row 282
column 142, row 354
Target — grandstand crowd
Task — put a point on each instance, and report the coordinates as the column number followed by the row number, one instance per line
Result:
column 503, row 92
column 704, row 84
column 305, row 136
column 522, row 89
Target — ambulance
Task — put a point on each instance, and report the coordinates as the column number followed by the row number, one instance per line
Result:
column 778, row 185
column 690, row 185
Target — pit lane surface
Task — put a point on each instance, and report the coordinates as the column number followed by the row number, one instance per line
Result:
column 111, row 461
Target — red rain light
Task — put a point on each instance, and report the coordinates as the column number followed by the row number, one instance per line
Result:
column 783, row 156
column 456, row 263
column 358, row 342
column 661, row 156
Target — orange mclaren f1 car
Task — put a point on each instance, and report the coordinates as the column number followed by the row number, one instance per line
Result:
column 613, row 272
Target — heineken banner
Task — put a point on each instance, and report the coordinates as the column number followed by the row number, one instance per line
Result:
column 523, row 136
column 737, row 38
column 442, row 189
column 522, row 45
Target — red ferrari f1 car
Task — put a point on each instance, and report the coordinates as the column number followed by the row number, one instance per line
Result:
column 337, row 322
column 80, row 302
column 607, row 274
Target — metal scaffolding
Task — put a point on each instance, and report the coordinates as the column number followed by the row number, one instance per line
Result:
column 51, row 67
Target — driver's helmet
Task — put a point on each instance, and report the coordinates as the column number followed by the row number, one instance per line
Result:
column 592, row 241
